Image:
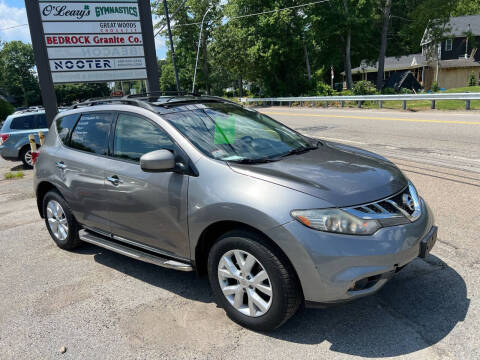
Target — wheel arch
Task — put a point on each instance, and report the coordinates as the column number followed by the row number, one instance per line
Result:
column 211, row 234
column 43, row 188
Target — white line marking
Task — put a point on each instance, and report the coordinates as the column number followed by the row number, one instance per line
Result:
column 343, row 140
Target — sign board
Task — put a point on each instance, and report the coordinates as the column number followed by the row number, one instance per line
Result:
column 91, row 41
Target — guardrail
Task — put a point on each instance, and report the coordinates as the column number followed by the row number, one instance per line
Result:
column 467, row 97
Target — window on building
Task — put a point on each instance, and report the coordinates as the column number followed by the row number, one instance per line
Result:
column 448, row 44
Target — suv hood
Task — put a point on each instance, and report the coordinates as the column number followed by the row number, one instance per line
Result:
column 340, row 174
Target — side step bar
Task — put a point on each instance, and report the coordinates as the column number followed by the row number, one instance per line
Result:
column 133, row 253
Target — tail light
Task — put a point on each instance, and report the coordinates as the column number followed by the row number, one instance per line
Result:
column 3, row 138
column 35, row 156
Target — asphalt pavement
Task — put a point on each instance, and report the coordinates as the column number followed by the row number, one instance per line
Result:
column 101, row 305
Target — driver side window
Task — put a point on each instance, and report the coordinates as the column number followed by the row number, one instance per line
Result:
column 135, row 136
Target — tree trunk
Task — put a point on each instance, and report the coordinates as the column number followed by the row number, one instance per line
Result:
column 205, row 62
column 348, row 60
column 240, row 86
column 383, row 44
column 307, row 61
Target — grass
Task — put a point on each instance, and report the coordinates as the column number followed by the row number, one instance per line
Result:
column 13, row 175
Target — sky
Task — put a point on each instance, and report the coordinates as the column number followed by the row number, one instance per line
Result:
column 13, row 13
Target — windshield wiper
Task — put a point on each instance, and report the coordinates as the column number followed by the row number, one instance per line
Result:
column 254, row 161
column 300, row 150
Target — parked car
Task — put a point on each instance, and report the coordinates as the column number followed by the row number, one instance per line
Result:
column 14, row 143
column 275, row 218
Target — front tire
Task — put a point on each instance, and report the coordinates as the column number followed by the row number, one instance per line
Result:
column 61, row 224
column 252, row 281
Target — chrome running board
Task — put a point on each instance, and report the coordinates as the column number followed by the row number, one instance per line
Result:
column 132, row 252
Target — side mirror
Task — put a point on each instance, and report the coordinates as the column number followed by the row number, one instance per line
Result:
column 158, row 161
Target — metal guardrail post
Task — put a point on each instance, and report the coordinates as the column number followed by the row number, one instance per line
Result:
column 380, row 104
column 404, row 105
column 289, row 104
column 359, row 105
column 467, row 104
column 326, row 104
column 433, row 104
column 343, row 104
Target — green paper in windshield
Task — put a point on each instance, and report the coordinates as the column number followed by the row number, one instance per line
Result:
column 224, row 130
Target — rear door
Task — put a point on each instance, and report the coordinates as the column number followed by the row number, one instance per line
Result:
column 146, row 208
column 81, row 167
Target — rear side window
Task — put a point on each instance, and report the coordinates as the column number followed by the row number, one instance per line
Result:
column 91, row 133
column 135, row 136
column 41, row 121
column 26, row 122
column 64, row 127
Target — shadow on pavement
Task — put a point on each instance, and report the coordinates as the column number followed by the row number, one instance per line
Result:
column 416, row 309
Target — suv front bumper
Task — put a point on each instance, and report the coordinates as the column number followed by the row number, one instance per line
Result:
column 337, row 268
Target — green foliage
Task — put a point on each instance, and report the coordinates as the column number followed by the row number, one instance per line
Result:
column 364, row 87
column 324, row 89
column 5, row 109
column 388, row 91
column 435, row 87
column 405, row 91
column 69, row 93
column 472, row 79
column 16, row 66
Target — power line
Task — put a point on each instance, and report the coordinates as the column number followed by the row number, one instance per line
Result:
column 264, row 12
column 13, row 27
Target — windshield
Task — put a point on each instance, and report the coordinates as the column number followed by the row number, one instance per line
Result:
column 231, row 133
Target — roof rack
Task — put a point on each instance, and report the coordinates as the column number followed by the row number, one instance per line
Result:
column 161, row 93
column 112, row 100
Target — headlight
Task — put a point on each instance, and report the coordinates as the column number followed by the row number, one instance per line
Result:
column 336, row 221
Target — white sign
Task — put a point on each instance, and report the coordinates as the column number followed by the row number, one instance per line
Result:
column 104, row 27
column 89, row 11
column 87, row 40
column 98, row 76
column 92, row 52
column 96, row 64
column 91, row 40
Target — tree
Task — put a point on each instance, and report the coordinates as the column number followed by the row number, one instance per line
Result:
column 383, row 43
column 17, row 63
column 70, row 93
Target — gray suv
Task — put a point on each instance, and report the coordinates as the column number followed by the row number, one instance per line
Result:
column 14, row 143
column 275, row 219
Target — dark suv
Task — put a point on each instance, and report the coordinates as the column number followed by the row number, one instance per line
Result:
column 275, row 218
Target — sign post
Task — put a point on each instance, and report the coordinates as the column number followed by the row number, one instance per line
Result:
column 79, row 41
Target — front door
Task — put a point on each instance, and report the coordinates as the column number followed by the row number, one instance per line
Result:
column 147, row 208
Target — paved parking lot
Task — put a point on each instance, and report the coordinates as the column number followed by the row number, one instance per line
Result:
column 101, row 305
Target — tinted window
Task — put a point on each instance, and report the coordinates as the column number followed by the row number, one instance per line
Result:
column 135, row 136
column 26, row 122
column 91, row 133
column 41, row 121
column 65, row 126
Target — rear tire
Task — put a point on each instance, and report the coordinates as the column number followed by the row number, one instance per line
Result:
column 260, row 306
column 26, row 157
column 61, row 224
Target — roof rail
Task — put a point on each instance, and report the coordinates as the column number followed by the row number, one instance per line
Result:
column 112, row 100
column 161, row 93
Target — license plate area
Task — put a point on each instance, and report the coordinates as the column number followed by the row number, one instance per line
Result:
column 426, row 244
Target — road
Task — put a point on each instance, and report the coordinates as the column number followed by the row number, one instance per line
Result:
column 101, row 305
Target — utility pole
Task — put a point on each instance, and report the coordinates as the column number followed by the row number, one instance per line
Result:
column 171, row 44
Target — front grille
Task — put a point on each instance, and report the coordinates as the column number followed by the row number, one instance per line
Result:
column 391, row 211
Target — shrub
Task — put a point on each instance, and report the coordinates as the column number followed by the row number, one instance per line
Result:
column 388, row 91
column 472, row 79
column 364, row 87
column 5, row 109
column 405, row 91
column 11, row 175
column 435, row 87
column 324, row 89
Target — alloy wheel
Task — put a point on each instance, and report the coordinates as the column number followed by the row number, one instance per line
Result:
column 245, row 283
column 57, row 220
column 28, row 158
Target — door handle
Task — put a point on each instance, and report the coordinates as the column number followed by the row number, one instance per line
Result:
column 114, row 180
column 61, row 165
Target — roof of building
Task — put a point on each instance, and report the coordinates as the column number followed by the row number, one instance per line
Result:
column 457, row 27
column 458, row 63
column 392, row 63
